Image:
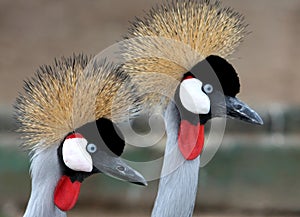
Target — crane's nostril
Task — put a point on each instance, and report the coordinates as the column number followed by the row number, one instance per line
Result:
column 238, row 107
column 121, row 168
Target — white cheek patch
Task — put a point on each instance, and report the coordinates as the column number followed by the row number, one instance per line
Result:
column 193, row 98
column 75, row 155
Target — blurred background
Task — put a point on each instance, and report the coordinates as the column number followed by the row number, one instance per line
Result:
column 256, row 170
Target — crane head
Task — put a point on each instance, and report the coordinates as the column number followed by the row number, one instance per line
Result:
column 93, row 148
column 209, row 90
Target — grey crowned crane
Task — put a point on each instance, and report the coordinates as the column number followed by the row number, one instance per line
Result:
column 187, row 41
column 67, row 120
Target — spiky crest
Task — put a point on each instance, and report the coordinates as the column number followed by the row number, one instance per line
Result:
column 63, row 97
column 174, row 36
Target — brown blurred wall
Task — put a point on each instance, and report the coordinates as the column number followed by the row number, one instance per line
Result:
column 33, row 32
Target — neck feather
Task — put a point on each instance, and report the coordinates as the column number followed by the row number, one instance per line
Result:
column 179, row 178
column 45, row 172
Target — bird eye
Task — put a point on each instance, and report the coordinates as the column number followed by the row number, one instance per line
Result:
column 208, row 88
column 91, row 148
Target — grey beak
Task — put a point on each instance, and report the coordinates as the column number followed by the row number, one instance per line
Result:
column 113, row 166
column 237, row 109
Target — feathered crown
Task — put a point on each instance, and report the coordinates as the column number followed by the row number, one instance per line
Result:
column 173, row 37
column 63, row 97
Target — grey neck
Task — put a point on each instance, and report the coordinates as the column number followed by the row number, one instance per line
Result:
column 179, row 178
column 45, row 174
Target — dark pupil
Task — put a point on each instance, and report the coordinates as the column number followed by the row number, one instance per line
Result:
column 91, row 148
column 208, row 88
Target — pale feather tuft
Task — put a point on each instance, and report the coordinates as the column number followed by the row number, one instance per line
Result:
column 174, row 36
column 63, row 97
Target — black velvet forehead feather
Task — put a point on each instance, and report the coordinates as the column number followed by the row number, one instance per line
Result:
column 218, row 72
column 227, row 75
column 103, row 132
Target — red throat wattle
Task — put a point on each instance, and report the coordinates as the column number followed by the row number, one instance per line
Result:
column 190, row 139
column 66, row 193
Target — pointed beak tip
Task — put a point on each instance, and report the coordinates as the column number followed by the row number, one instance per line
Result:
column 260, row 122
column 139, row 180
column 256, row 119
column 239, row 110
column 141, row 183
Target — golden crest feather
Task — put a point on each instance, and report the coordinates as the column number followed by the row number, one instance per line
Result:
column 174, row 36
column 63, row 97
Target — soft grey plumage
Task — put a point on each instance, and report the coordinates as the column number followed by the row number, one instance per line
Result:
column 41, row 199
column 177, row 190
